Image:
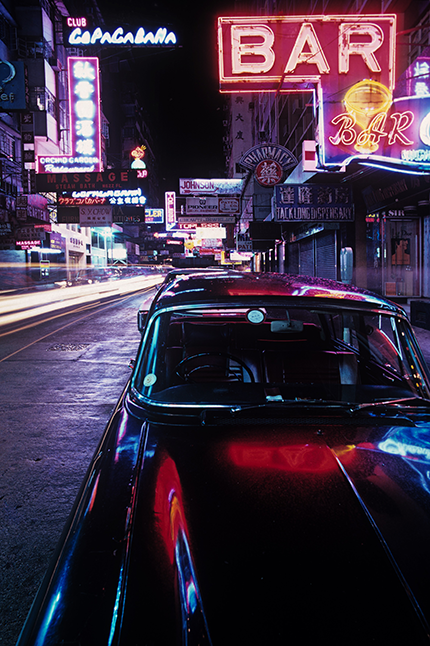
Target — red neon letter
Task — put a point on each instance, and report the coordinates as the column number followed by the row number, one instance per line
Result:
column 260, row 55
column 402, row 120
column 315, row 55
column 346, row 134
column 365, row 50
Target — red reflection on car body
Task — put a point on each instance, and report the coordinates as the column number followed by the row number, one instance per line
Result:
column 303, row 458
column 168, row 506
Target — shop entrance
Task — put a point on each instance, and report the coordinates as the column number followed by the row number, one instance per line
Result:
column 401, row 245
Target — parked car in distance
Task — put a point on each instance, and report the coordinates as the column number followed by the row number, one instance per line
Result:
column 264, row 478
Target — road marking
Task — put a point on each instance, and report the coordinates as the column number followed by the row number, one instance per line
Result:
column 100, row 309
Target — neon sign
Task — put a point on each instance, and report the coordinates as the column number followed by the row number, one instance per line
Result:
column 65, row 164
column 254, row 52
column 84, row 106
column 121, row 196
column 170, row 209
column 64, row 200
column 76, row 22
column 84, row 110
column 397, row 137
column 138, row 154
column 347, row 62
column 142, row 38
column 154, row 216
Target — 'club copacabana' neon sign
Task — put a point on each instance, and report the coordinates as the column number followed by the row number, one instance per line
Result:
column 161, row 37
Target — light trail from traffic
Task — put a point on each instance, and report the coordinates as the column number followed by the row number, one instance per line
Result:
column 14, row 309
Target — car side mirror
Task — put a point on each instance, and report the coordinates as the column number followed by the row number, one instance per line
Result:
column 142, row 315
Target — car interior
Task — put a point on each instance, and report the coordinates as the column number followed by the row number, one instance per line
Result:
column 281, row 348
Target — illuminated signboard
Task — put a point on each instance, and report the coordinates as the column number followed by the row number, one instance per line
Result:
column 407, row 144
column 201, row 205
column 154, row 216
column 12, row 86
column 170, row 208
column 210, row 186
column 309, row 202
column 205, row 205
column 95, row 216
column 114, row 179
column 79, row 37
column 125, row 197
column 345, row 61
column 66, row 200
column 84, row 106
column 206, row 219
column 269, row 162
column 85, row 120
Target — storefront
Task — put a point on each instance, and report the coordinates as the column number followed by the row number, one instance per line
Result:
column 314, row 252
column 394, row 258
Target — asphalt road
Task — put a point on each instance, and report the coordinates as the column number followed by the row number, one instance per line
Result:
column 60, row 380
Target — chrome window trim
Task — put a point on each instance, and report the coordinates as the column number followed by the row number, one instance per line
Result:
column 332, row 306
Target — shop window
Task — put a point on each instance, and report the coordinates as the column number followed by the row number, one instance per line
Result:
column 401, row 257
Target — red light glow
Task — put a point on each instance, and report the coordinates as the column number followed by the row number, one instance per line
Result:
column 298, row 458
column 168, row 507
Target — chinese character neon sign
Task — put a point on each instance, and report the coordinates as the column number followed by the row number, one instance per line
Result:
column 84, row 110
column 84, row 106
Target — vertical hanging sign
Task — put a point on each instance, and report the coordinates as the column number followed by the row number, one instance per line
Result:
column 84, row 102
column 170, row 207
column 85, row 121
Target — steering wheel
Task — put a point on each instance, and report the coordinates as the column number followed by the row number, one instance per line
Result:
column 181, row 368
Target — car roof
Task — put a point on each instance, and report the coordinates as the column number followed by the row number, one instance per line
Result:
column 193, row 287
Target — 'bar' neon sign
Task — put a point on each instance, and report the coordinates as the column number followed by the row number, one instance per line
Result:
column 346, row 61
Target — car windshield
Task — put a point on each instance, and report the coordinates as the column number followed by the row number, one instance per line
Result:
column 218, row 355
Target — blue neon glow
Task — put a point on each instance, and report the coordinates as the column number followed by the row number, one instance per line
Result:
column 411, row 443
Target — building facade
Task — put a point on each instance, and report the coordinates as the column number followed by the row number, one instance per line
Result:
column 377, row 233
column 36, row 244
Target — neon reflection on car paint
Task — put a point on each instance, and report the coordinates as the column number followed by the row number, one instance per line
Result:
column 413, row 445
column 410, row 443
column 172, row 525
column 297, row 458
column 168, row 506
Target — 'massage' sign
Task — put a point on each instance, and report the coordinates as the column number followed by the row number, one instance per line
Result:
column 66, row 182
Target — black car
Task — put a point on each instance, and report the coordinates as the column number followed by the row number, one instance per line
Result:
column 264, row 479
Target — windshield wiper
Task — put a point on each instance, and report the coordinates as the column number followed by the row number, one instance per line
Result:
column 389, row 403
column 277, row 403
column 393, row 408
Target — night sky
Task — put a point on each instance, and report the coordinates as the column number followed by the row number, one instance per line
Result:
column 179, row 88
